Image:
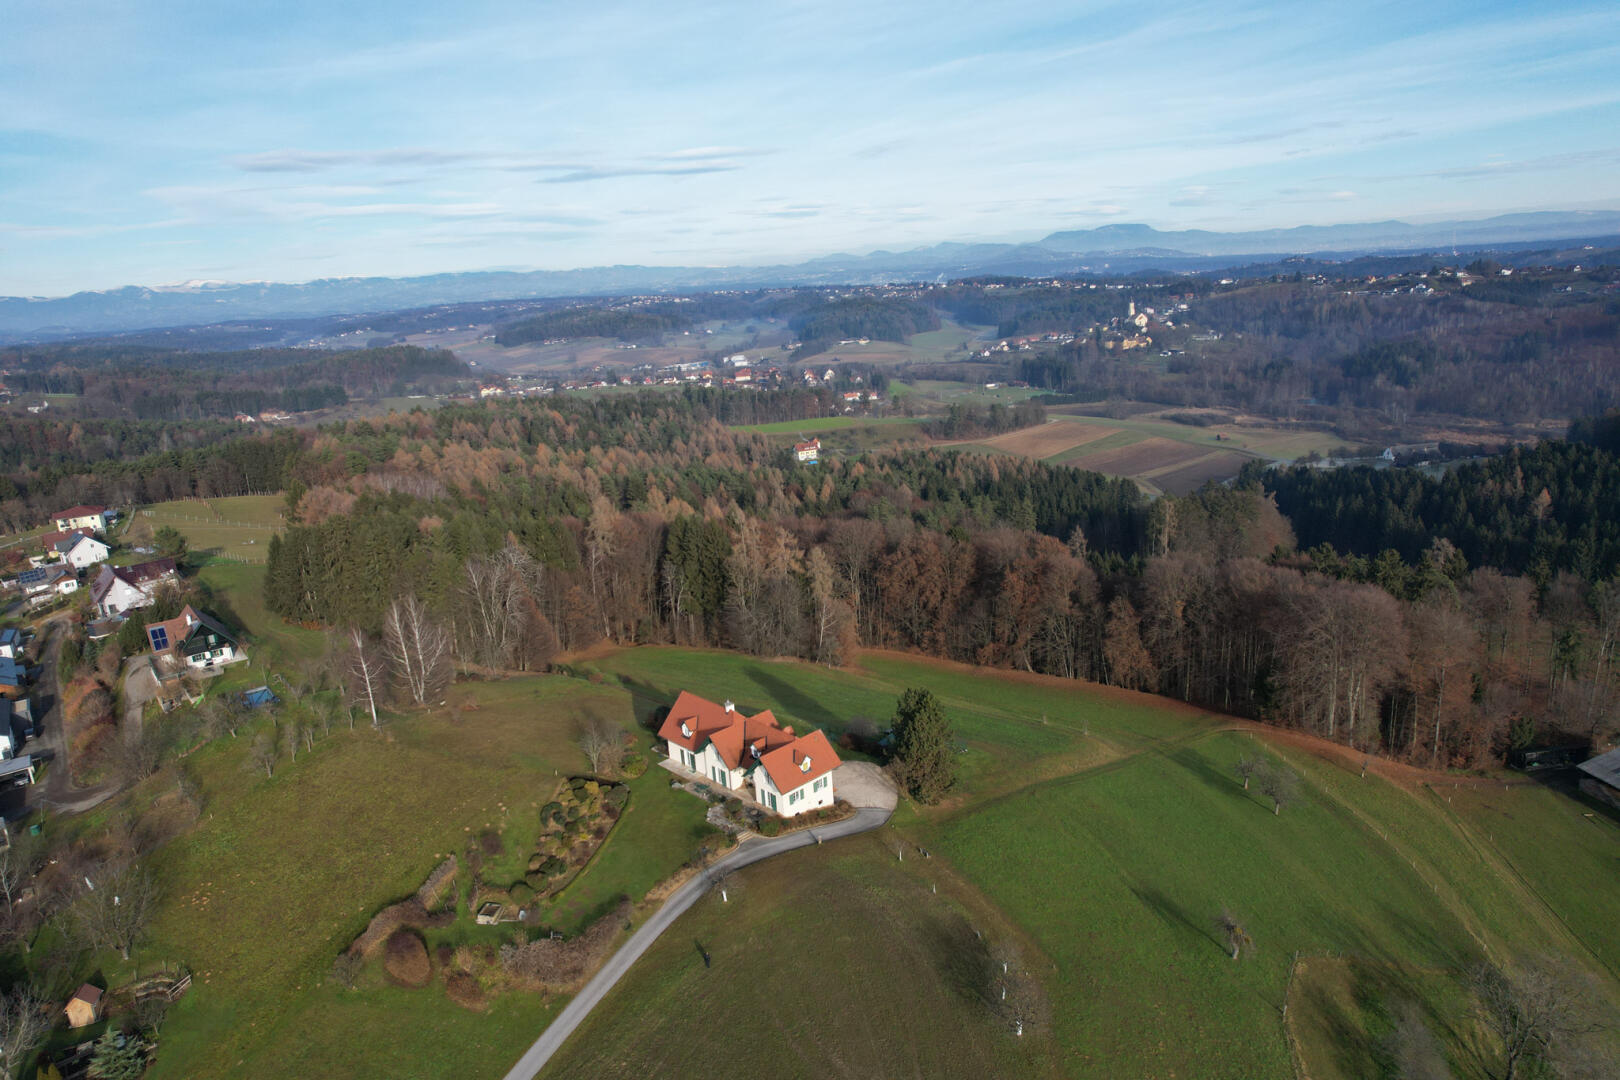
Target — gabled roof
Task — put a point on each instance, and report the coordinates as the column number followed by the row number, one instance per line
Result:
column 180, row 629
column 79, row 511
column 74, row 539
column 88, row 994
column 807, row 758
column 52, row 539
column 692, row 720
column 40, row 575
column 1604, row 767
column 137, row 577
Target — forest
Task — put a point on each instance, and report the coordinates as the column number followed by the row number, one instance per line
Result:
column 1329, row 350
column 528, row 529
column 115, row 380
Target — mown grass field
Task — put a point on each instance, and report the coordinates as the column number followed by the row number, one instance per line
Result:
column 239, row 527
column 282, row 872
column 836, row 961
column 1107, row 831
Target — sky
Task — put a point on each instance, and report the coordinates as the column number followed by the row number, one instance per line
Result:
column 153, row 143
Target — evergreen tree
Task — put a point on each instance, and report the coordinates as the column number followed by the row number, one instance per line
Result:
column 118, row 1057
column 923, row 759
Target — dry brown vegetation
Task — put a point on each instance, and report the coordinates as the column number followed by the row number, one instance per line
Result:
column 406, row 959
column 563, row 965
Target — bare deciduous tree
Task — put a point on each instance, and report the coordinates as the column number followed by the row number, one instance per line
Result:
column 417, row 648
column 603, row 743
column 1280, row 784
column 114, row 913
column 1246, row 766
column 25, row 1017
column 493, row 598
column 1539, row 1014
column 363, row 669
column 19, row 859
column 264, row 752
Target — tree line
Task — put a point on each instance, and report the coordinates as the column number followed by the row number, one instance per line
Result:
column 528, row 529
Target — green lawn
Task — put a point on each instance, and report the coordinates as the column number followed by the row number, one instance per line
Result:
column 835, row 961
column 238, row 591
column 239, row 527
column 1099, row 831
column 1011, row 731
column 1108, row 831
column 281, row 873
column 1140, row 858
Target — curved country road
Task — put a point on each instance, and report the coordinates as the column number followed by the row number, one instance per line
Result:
column 753, row 851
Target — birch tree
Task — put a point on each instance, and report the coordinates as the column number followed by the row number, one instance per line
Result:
column 363, row 670
column 417, row 650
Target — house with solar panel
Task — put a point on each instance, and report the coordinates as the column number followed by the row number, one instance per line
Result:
column 789, row 773
column 192, row 641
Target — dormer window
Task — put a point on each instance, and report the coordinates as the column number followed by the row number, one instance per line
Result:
column 804, row 766
column 686, row 729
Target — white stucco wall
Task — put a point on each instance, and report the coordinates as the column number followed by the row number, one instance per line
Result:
column 786, row 805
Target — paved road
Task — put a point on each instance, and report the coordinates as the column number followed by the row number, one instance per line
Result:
column 752, row 851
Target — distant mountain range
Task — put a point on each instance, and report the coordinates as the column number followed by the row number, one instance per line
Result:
column 1111, row 249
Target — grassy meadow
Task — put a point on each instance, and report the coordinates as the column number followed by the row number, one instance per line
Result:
column 1105, row 832
column 237, row 528
column 1098, row 831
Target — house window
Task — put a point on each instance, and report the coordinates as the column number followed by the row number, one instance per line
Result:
column 771, row 799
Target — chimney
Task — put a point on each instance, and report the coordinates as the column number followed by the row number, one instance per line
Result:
column 786, row 730
column 730, row 707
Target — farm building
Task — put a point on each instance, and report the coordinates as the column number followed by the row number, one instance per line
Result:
column 790, row 773
column 1601, row 777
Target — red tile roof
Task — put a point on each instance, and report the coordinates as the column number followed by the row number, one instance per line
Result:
column 79, row 511
column 807, row 758
column 731, row 732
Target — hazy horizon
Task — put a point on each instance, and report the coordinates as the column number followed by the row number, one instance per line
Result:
column 155, row 146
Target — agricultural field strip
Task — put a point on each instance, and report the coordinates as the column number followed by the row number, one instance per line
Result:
column 1489, row 851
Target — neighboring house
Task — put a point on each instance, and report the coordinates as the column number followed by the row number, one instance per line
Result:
column 11, row 643
column 43, row 580
column 1601, row 777
column 807, row 451
column 13, row 678
column 191, row 640
column 82, row 552
column 790, row 773
column 13, row 729
column 84, row 1007
column 81, row 517
column 118, row 589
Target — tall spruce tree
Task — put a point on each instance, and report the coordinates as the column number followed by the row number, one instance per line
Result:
column 924, row 760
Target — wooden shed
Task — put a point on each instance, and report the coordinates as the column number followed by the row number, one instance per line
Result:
column 84, row 1007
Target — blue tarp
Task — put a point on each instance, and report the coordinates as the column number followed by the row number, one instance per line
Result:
column 259, row 697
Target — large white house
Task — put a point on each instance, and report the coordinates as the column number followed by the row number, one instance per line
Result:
column 790, row 773
column 81, row 551
column 121, row 588
column 81, row 517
